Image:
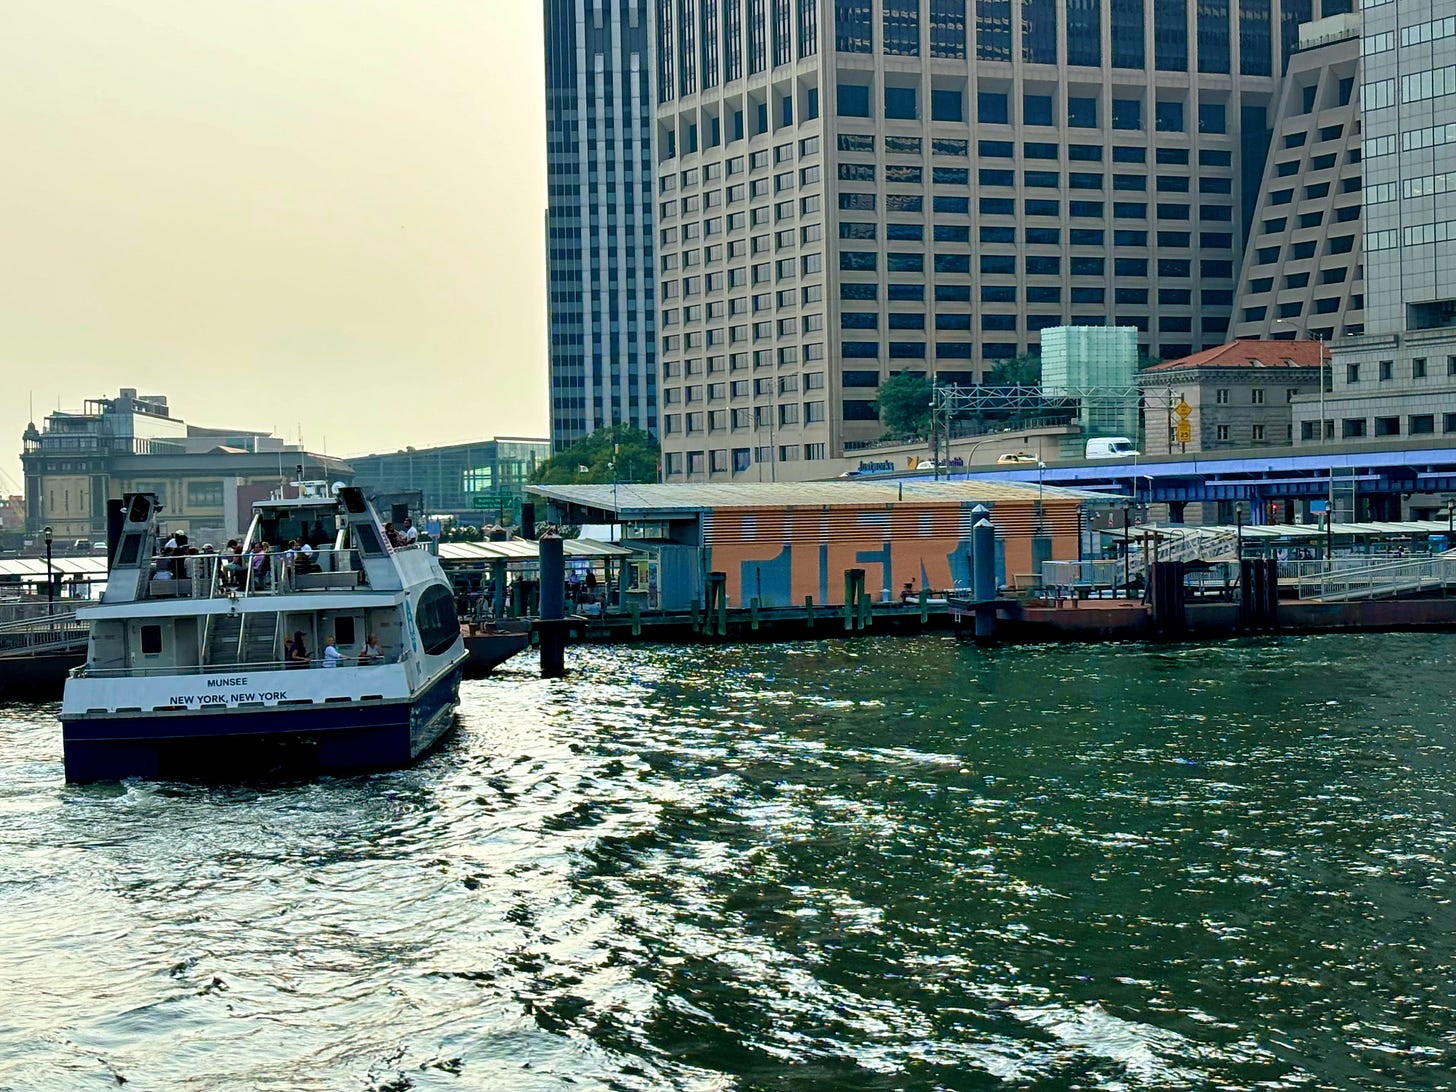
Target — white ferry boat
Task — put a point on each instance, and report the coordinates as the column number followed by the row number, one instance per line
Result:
column 214, row 665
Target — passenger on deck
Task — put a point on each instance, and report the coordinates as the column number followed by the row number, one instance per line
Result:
column 307, row 563
column 907, row 593
column 332, row 655
column 297, row 652
column 261, row 565
column 372, row 653
column 392, row 535
column 232, row 564
column 408, row 532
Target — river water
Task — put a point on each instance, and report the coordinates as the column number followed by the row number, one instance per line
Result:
column 869, row 864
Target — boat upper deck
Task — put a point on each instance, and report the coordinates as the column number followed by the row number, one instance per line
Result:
column 321, row 542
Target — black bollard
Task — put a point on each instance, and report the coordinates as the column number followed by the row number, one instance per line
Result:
column 983, row 545
column 551, row 622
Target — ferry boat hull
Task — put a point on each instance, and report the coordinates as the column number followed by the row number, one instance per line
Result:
column 319, row 737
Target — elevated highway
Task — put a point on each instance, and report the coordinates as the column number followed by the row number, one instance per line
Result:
column 1380, row 474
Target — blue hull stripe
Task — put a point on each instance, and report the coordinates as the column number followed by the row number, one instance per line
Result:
column 340, row 737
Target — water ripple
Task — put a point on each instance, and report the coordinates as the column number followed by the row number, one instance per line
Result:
column 877, row 864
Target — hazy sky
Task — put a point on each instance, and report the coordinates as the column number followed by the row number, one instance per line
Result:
column 278, row 213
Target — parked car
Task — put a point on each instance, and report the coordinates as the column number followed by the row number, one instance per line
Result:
column 1012, row 457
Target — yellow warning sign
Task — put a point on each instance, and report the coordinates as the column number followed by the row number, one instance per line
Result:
column 1182, row 409
column 1182, row 432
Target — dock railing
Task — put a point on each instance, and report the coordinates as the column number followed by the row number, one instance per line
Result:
column 1412, row 574
column 46, row 633
column 1081, row 579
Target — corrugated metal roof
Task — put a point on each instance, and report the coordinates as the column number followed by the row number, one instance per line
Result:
column 645, row 499
column 36, row 566
column 524, row 549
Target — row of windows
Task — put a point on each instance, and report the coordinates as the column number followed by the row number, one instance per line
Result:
column 740, row 458
column 1033, row 236
column 690, row 177
column 949, row 24
column 1005, row 206
column 1045, row 293
column 1433, row 83
column 994, row 108
column 1385, row 369
column 1417, row 235
column 722, row 420
column 1034, row 265
column 1074, row 180
column 1417, row 424
column 1005, row 149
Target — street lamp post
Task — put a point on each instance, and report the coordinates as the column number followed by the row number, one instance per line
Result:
column 50, row 579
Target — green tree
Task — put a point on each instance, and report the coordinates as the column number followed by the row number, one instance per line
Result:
column 1144, row 361
column 904, row 406
column 619, row 453
column 1019, row 371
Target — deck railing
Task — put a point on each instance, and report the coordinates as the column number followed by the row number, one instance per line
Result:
column 89, row 672
column 212, row 576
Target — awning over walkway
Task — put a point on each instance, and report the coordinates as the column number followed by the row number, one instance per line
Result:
column 524, row 549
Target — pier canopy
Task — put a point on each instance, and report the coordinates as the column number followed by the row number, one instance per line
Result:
column 525, row 549
column 780, row 543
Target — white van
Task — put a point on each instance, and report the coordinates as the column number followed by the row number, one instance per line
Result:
column 1111, row 447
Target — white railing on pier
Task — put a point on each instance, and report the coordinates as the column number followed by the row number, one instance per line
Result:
column 1383, row 580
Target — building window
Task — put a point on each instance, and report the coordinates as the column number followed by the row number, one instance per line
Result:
column 1352, row 427
column 1256, row 396
column 1418, row 368
column 1256, row 433
column 1221, row 396
column 1422, row 424
column 1352, row 373
column 1387, row 370
column 1387, row 426
column 1221, row 432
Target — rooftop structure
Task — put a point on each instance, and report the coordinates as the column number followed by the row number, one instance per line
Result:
column 1091, row 358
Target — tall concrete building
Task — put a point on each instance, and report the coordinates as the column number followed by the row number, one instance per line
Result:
column 1398, row 379
column 850, row 189
column 600, row 279
column 1302, row 272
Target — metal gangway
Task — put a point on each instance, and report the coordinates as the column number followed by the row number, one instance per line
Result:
column 58, row 632
column 1383, row 580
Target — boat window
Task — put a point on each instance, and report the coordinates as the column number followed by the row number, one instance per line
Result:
column 151, row 640
column 435, row 617
column 131, row 548
column 368, row 540
column 344, row 630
